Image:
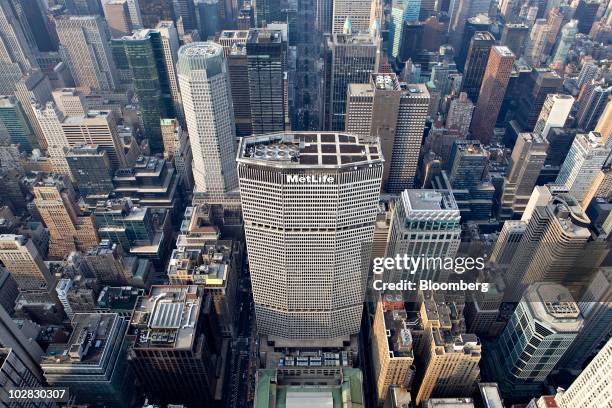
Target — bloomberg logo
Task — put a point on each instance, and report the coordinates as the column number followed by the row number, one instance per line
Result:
column 310, row 179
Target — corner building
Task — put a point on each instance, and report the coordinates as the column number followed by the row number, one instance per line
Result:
column 308, row 237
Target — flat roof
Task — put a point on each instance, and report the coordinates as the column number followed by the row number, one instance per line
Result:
column 308, row 150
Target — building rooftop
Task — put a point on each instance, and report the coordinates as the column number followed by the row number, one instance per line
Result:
column 167, row 317
column 208, row 265
column 491, row 395
column 89, row 340
column 429, row 200
column 346, row 391
column 309, row 149
column 234, row 34
column 449, row 403
column 552, row 305
column 264, row 36
column 503, row 51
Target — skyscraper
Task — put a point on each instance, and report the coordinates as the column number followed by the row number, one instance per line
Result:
column 353, row 58
column 21, row 258
column 69, row 230
column 586, row 13
column 209, row 116
column 238, row 69
column 356, row 12
column 480, row 22
column 117, row 17
column 514, row 36
column 539, row 332
column 146, row 57
column 176, row 361
column 591, row 388
column 401, row 12
column 92, row 361
column 592, row 105
column 459, row 11
column 584, row 160
column 265, row 58
column 568, row 37
column 476, row 63
column 91, row 171
column 426, row 223
column 392, row 350
column 538, row 40
column 492, row 91
column 557, row 231
column 394, row 113
column 16, row 51
column 467, row 161
column 32, row 88
column 308, row 264
column 595, row 309
column 450, row 357
column 170, row 45
column 49, row 120
column 604, row 124
column 17, row 373
column 531, row 94
column 554, row 113
column 459, row 114
column 14, row 127
column 323, row 15
column 528, row 157
column 84, row 45
column 184, row 10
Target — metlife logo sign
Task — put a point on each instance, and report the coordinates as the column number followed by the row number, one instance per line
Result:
column 310, row 179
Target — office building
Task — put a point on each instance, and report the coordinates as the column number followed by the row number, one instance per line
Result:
column 604, row 124
column 601, row 186
column 84, row 46
column 267, row 12
column 70, row 101
column 110, row 265
column 357, row 13
column 34, row 87
column 567, row 40
column 202, row 66
column 117, row 17
column 92, row 362
column 450, row 358
column 514, row 36
column 536, row 45
column 586, row 14
column 99, row 128
column 392, row 350
column 594, row 307
column 146, row 57
column 554, row 113
column 215, row 266
column 238, row 69
column 554, row 219
column 265, row 51
column 458, row 13
column 69, row 230
column 395, row 114
column 425, row 223
column 592, row 387
column 16, row 374
column 528, row 157
column 288, row 293
column 48, row 119
column 584, row 160
column 592, row 105
column 176, row 348
column 17, row 54
column 532, row 93
column 492, row 92
column 541, row 329
column 14, row 126
column 466, row 164
column 25, row 264
column 476, row 63
column 459, row 114
column 402, row 11
column 228, row 38
column 353, row 58
column 480, row 22
column 170, row 45
column 91, row 171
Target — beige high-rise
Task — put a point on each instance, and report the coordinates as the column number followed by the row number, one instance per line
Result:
column 21, row 258
column 392, row 354
column 68, row 230
column 451, row 360
column 395, row 113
